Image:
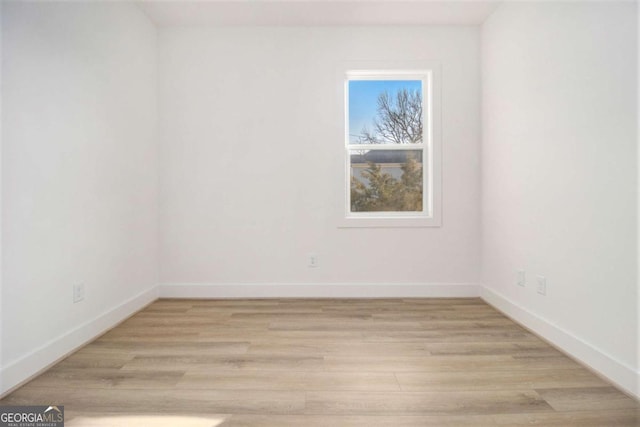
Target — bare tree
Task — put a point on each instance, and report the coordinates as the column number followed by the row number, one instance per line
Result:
column 398, row 121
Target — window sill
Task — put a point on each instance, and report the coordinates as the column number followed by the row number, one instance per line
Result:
column 389, row 222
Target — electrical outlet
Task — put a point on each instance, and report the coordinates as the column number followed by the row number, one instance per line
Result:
column 78, row 292
column 313, row 261
column 542, row 285
column 522, row 278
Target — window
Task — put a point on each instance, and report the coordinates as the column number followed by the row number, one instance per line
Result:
column 389, row 149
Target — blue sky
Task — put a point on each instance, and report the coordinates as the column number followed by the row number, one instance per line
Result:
column 363, row 96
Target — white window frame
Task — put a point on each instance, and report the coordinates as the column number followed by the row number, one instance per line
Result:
column 430, row 147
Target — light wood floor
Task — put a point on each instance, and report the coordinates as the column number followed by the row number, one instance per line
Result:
column 411, row 362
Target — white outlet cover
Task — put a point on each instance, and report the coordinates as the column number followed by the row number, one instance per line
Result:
column 522, row 278
column 542, row 285
column 313, row 261
column 78, row 292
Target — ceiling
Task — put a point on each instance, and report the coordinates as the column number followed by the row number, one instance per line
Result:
column 316, row 12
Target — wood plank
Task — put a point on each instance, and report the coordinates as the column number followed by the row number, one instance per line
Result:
column 239, row 362
column 288, row 380
column 512, row 348
column 587, row 398
column 344, row 325
column 498, row 380
column 470, row 364
column 172, row 348
column 101, row 378
column 335, row 347
column 410, row 403
column 164, row 402
column 459, row 335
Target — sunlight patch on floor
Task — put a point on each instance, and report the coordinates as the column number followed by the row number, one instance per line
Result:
column 145, row 420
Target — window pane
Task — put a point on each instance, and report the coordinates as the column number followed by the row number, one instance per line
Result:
column 385, row 111
column 386, row 181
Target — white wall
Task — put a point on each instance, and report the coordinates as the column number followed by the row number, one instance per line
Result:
column 638, row 207
column 252, row 144
column 79, row 174
column 559, row 174
column 1, row 330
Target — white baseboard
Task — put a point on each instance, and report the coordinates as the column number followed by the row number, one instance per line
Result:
column 319, row 290
column 624, row 376
column 22, row 370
